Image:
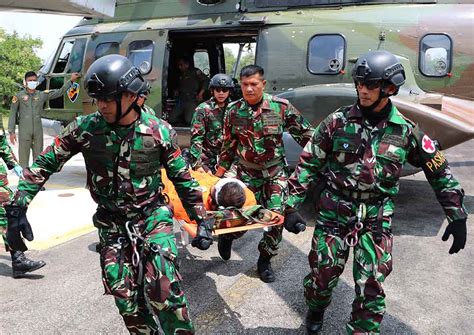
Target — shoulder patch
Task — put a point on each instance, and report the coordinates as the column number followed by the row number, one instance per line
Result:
column 14, row 99
column 428, row 145
column 280, row 100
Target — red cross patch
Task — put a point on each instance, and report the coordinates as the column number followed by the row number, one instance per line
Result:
column 428, row 144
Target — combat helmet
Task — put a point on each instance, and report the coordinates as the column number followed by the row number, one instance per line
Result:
column 379, row 66
column 112, row 75
column 221, row 80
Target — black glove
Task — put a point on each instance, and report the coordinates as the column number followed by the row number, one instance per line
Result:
column 459, row 231
column 294, row 222
column 18, row 226
column 203, row 239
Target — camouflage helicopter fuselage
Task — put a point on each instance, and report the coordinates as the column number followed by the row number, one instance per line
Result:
column 441, row 101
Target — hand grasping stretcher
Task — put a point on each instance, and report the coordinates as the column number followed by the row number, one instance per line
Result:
column 232, row 213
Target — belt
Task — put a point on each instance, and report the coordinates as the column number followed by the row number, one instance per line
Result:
column 120, row 218
column 260, row 167
column 357, row 195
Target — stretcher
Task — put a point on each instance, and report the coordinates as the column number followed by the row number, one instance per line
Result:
column 233, row 220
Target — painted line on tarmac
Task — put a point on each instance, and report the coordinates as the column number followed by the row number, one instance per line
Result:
column 59, row 239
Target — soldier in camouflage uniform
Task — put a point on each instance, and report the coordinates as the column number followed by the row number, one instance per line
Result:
column 20, row 264
column 192, row 84
column 123, row 151
column 206, row 127
column 26, row 109
column 361, row 150
column 253, row 132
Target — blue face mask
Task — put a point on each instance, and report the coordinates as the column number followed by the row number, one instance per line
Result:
column 31, row 84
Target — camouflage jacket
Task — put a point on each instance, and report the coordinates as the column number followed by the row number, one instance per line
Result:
column 206, row 132
column 8, row 157
column 123, row 164
column 355, row 157
column 257, row 136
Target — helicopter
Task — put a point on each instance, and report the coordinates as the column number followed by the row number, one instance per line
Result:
column 307, row 48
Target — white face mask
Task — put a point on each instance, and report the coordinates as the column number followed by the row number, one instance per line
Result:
column 31, row 84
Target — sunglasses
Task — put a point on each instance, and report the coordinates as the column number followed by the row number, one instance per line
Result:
column 106, row 99
column 221, row 89
column 370, row 84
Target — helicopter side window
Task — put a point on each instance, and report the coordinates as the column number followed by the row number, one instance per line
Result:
column 435, row 57
column 63, row 57
column 201, row 61
column 326, row 54
column 77, row 55
column 140, row 54
column 106, row 48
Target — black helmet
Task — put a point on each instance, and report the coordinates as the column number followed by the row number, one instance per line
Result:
column 112, row 75
column 379, row 66
column 145, row 89
column 221, row 80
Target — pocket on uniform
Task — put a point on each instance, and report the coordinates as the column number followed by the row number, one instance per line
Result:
column 345, row 149
column 390, row 161
column 114, row 279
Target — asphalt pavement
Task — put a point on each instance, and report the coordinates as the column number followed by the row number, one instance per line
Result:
column 428, row 292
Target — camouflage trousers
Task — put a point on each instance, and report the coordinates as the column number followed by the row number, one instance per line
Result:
column 5, row 194
column 271, row 191
column 149, row 294
column 372, row 260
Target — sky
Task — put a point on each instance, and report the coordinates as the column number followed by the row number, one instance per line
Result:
column 49, row 27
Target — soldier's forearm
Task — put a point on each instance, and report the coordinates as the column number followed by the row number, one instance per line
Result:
column 59, row 92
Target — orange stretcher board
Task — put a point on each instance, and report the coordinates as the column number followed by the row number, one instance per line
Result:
column 224, row 227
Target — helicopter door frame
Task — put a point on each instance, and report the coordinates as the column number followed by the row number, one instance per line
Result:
column 57, row 108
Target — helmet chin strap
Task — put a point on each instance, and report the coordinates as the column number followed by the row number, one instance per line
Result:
column 119, row 116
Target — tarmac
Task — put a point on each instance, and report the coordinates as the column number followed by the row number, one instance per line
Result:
column 428, row 292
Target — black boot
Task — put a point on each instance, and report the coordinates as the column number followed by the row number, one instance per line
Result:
column 314, row 321
column 22, row 265
column 224, row 245
column 265, row 270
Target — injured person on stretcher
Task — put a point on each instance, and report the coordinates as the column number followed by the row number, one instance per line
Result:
column 227, row 200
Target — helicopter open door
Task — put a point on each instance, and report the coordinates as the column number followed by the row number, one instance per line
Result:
column 68, row 59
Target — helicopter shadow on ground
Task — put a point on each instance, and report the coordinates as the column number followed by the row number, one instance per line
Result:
column 229, row 309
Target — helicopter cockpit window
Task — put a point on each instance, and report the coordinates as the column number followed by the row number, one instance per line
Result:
column 326, row 54
column 106, row 48
column 435, row 55
column 63, row 57
column 140, row 54
column 77, row 55
column 201, row 61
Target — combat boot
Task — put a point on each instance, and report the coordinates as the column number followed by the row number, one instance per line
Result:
column 22, row 265
column 265, row 271
column 224, row 246
column 314, row 321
